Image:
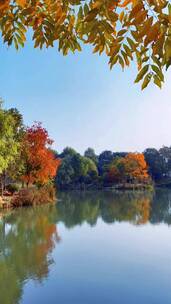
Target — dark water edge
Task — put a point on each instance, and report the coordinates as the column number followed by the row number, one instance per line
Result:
column 91, row 247
column 107, row 187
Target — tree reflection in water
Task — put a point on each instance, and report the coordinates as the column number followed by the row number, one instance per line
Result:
column 28, row 236
column 74, row 209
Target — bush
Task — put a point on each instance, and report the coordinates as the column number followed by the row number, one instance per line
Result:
column 34, row 196
column 12, row 188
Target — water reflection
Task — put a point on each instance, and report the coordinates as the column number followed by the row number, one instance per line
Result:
column 136, row 208
column 74, row 209
column 28, row 236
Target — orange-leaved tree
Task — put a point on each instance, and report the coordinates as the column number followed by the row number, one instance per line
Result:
column 136, row 166
column 39, row 162
column 132, row 167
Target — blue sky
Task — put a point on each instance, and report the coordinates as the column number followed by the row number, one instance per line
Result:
column 82, row 103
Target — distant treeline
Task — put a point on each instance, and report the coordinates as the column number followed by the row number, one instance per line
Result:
column 112, row 169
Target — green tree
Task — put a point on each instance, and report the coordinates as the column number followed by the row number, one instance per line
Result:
column 156, row 163
column 65, row 174
column 104, row 160
column 68, row 151
column 90, row 153
column 9, row 142
column 117, row 170
column 75, row 170
column 89, row 172
column 16, row 167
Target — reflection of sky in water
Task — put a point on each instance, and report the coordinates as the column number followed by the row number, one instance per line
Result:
column 92, row 248
column 7, row 228
column 116, row 263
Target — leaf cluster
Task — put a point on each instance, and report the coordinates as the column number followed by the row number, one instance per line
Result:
column 126, row 30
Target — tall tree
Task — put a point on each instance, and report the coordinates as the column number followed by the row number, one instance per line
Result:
column 15, row 168
column 156, row 163
column 136, row 167
column 9, row 142
column 40, row 164
column 132, row 167
column 105, row 158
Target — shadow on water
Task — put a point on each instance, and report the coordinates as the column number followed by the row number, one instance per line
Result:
column 28, row 236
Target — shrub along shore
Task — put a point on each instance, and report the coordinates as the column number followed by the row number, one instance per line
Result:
column 34, row 196
column 28, row 197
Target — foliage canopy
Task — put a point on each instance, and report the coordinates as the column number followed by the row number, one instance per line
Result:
column 9, row 137
column 132, row 166
column 126, row 30
column 40, row 163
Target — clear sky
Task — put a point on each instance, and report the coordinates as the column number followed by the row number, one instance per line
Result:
column 84, row 104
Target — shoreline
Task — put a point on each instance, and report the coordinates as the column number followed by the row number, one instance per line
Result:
column 119, row 187
column 7, row 202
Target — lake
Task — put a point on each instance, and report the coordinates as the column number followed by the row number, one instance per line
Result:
column 91, row 247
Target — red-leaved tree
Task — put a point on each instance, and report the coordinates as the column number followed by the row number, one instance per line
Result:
column 39, row 162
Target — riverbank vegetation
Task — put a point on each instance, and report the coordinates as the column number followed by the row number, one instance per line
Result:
column 26, row 160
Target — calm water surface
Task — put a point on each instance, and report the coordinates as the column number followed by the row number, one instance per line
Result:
column 89, row 248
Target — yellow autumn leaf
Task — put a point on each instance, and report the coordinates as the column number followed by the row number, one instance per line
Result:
column 21, row 3
column 121, row 16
